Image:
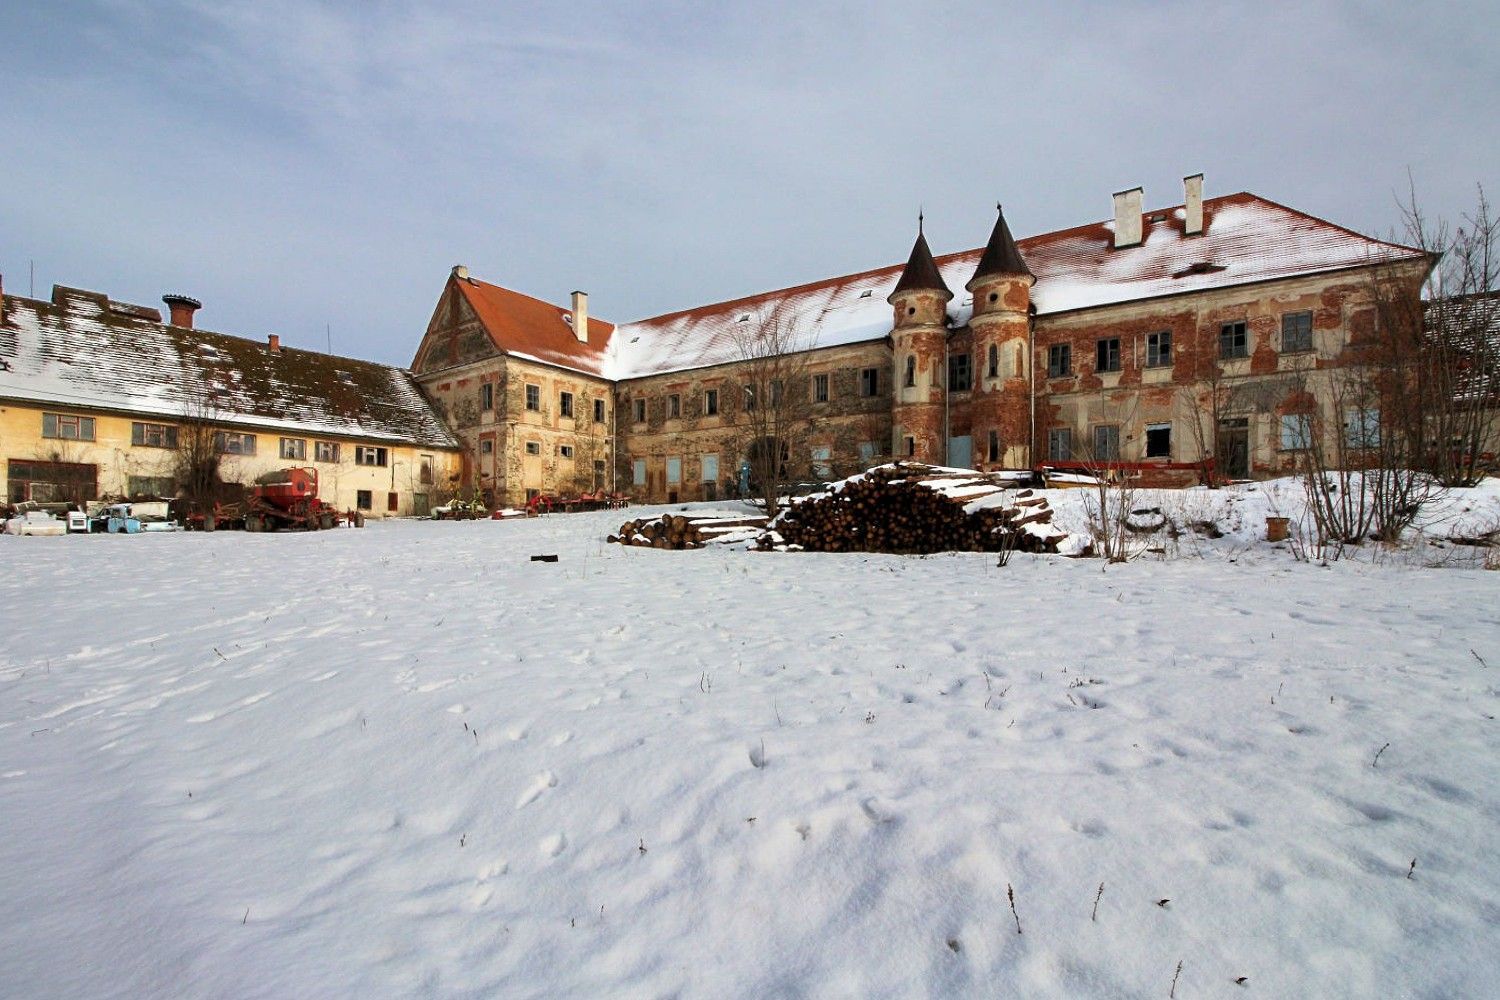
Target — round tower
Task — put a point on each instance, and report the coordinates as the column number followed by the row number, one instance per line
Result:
column 1000, row 406
column 918, row 335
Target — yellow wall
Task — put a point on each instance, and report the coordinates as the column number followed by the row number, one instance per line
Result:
column 117, row 459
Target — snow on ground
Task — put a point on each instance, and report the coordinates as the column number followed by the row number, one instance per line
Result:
column 407, row 761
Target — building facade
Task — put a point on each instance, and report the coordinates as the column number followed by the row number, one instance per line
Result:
column 100, row 398
column 1200, row 339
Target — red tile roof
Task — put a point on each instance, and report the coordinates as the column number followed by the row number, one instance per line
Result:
column 530, row 328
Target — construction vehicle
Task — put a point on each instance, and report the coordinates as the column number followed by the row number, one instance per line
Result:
column 288, row 498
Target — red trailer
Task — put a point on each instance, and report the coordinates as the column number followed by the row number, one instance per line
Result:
column 289, row 499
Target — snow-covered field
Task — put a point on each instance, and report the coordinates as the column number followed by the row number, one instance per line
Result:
column 407, row 761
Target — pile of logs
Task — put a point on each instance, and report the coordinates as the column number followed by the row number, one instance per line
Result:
column 908, row 509
column 679, row 531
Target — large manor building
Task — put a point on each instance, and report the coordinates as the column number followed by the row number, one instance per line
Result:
column 1153, row 343
column 1157, row 343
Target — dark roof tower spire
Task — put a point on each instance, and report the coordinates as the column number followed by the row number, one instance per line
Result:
column 921, row 272
column 1001, row 255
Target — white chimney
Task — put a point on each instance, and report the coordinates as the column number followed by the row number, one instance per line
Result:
column 1128, row 217
column 1192, row 193
column 581, row 316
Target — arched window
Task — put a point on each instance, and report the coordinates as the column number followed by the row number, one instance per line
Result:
column 911, row 369
column 994, row 362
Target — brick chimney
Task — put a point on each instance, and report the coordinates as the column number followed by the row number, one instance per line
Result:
column 182, row 307
column 273, row 343
column 1128, row 217
column 1192, row 196
column 581, row 316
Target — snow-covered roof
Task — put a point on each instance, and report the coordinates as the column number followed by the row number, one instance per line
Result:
column 1246, row 239
column 84, row 350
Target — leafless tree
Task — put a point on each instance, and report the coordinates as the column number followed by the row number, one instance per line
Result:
column 1434, row 358
column 772, row 356
column 199, row 454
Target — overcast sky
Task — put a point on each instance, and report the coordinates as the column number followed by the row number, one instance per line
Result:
column 295, row 164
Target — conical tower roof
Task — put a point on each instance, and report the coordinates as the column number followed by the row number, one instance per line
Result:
column 1001, row 256
column 921, row 272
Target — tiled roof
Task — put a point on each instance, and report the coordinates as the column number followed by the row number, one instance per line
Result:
column 83, row 350
column 536, row 330
column 1245, row 239
column 1000, row 254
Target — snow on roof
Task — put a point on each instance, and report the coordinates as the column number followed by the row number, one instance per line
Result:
column 83, row 350
column 1246, row 239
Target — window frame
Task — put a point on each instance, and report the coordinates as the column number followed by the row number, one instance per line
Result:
column 820, row 387
column 1059, row 360
column 711, row 402
column 533, row 397
column 1234, row 340
column 487, row 395
column 322, row 450
column 599, row 412
column 1304, row 334
column 364, row 500
column 1157, row 428
column 1107, row 349
column 1063, row 435
column 140, row 431
column 297, row 449
column 533, row 447
column 1101, row 454
column 372, row 456
column 992, row 361
column 565, row 404
column 869, row 383
column 79, row 423
column 1159, row 349
column 1299, row 440
column 234, row 443
column 638, row 407
column 960, row 372
column 909, row 379
column 565, row 451
column 674, row 406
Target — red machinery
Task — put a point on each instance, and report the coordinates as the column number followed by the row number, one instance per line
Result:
column 289, row 499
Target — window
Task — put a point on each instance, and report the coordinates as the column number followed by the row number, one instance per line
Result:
column 151, row 486
column 638, row 472
column 992, row 363
column 778, row 391
column 711, row 402
column 565, row 403
column 486, row 447
column 364, row 500
column 487, row 396
column 1159, row 441
column 1296, row 431
column 67, row 427
column 911, row 445
column 866, row 452
column 1159, row 349
column 228, row 443
column 1361, row 428
column 425, row 473
column 369, row 455
column 294, row 449
column 533, row 447
column 749, row 398
column 822, row 462
column 994, row 449
column 674, row 406
column 533, row 397
column 1060, row 444
column 640, row 410
column 710, row 466
column 392, row 502
column 1107, row 355
column 820, row 388
column 960, row 376
column 1059, row 360
column 1234, row 341
column 911, row 371
column 598, row 411
column 674, row 471
column 1106, row 443
column 869, row 382
column 1296, row 332
column 325, row 451
column 565, row 450
column 153, row 435
column 598, row 473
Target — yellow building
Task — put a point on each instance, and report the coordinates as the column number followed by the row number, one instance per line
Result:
column 100, row 398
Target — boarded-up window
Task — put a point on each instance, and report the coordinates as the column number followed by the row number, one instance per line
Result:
column 710, row 468
column 822, row 464
column 392, row 502
column 638, row 472
column 674, row 470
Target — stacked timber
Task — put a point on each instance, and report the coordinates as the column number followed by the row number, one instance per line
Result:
column 913, row 508
column 680, row 531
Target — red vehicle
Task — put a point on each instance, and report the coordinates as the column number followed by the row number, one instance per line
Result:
column 289, row 499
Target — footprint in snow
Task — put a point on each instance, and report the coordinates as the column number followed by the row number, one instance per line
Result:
column 542, row 782
column 554, row 845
